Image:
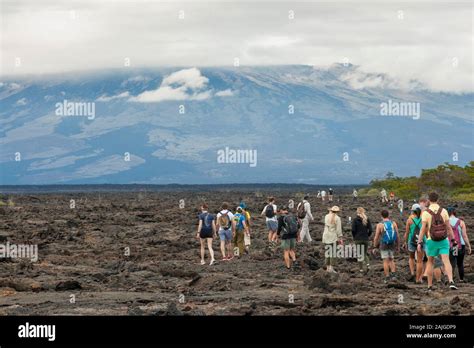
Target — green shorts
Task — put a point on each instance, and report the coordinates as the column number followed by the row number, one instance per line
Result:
column 288, row 244
column 434, row 248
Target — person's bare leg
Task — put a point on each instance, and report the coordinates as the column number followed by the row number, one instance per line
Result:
column 293, row 255
column 203, row 252
column 270, row 236
column 448, row 269
column 419, row 266
column 209, row 246
column 286, row 256
column 411, row 263
column 429, row 270
column 393, row 268
column 223, row 248
column 230, row 252
column 386, row 268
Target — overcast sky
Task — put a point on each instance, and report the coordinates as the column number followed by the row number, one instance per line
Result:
column 428, row 41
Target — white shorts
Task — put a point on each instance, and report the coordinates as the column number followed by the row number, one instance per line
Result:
column 246, row 239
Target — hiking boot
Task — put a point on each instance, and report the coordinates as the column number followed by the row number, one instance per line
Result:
column 452, row 286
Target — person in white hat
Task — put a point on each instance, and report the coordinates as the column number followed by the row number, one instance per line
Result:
column 332, row 234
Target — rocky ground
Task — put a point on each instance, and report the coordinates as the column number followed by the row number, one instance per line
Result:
column 83, row 252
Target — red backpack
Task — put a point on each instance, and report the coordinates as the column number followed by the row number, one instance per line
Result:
column 438, row 229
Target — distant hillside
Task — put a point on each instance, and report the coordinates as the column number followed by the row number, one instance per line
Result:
column 451, row 181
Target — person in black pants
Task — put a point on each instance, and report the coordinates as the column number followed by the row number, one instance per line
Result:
column 361, row 231
column 457, row 252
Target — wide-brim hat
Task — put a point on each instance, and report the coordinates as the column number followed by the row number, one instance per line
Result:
column 335, row 209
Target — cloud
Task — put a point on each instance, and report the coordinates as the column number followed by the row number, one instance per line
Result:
column 21, row 102
column 104, row 98
column 225, row 93
column 431, row 43
column 186, row 84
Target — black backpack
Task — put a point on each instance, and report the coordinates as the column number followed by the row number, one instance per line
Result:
column 416, row 233
column 290, row 225
column 301, row 211
column 269, row 213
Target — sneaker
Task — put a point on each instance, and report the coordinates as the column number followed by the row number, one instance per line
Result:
column 430, row 289
column 452, row 286
column 225, row 258
column 203, row 262
column 213, row 262
column 386, row 280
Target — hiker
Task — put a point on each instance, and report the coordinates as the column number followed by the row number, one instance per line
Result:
column 383, row 195
column 248, row 223
column 457, row 252
column 387, row 240
column 304, row 215
column 361, row 231
column 412, row 233
column 270, row 212
column 323, row 195
column 332, row 234
column 205, row 232
column 436, row 227
column 424, row 203
column 392, row 198
column 240, row 230
column 318, row 195
column 330, row 194
column 354, row 195
column 288, row 226
column 226, row 227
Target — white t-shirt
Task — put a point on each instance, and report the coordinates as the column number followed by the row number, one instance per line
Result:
column 323, row 193
column 222, row 212
column 274, row 218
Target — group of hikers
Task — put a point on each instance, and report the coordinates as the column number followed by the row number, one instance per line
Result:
column 435, row 238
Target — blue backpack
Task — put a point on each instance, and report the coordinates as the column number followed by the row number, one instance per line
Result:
column 239, row 221
column 389, row 236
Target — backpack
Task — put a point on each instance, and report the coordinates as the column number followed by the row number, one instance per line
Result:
column 389, row 236
column 457, row 234
column 438, row 230
column 239, row 221
column 301, row 213
column 224, row 221
column 416, row 232
column 269, row 213
column 207, row 222
column 290, row 225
